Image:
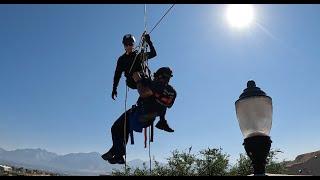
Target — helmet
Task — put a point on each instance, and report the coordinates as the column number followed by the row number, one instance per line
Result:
column 164, row 71
column 128, row 38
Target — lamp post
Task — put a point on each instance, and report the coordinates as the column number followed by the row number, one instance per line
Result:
column 254, row 114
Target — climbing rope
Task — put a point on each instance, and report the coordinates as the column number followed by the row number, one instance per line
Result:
column 161, row 18
column 139, row 47
column 150, row 164
column 147, row 72
column 125, row 129
column 145, row 67
column 145, row 17
column 125, row 104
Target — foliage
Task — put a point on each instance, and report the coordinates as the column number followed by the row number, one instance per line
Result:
column 208, row 162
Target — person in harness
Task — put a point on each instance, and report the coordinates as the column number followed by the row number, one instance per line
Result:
column 156, row 96
column 130, row 62
column 161, row 91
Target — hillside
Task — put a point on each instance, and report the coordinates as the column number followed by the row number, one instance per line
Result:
column 306, row 164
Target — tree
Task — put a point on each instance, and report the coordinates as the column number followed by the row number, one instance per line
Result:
column 182, row 164
column 213, row 162
column 209, row 162
column 244, row 168
column 273, row 166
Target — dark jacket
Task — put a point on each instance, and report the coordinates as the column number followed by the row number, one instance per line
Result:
column 158, row 103
column 124, row 64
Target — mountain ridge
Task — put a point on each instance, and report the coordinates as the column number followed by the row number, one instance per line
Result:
column 70, row 164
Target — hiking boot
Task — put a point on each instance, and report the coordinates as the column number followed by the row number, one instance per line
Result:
column 163, row 125
column 107, row 156
column 116, row 160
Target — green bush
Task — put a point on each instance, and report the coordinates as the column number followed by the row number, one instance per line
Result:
column 208, row 162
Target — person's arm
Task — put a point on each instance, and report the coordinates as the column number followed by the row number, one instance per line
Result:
column 142, row 85
column 116, row 78
column 117, row 75
column 152, row 52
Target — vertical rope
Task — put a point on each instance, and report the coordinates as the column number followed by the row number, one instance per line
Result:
column 142, row 45
column 150, row 151
column 145, row 17
column 146, row 69
column 126, row 99
column 125, row 129
column 145, row 137
column 125, row 109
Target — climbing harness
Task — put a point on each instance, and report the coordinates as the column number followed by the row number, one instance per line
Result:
column 142, row 48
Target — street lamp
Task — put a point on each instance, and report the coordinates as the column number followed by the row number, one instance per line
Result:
column 254, row 114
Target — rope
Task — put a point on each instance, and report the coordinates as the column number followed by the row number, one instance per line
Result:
column 125, row 110
column 145, row 17
column 145, row 137
column 125, row 104
column 135, row 58
column 147, row 71
column 125, row 129
column 142, row 45
column 150, row 150
column 145, row 45
column 145, row 60
column 125, row 114
column 161, row 18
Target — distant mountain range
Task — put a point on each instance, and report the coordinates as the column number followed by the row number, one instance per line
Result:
column 70, row 164
column 92, row 164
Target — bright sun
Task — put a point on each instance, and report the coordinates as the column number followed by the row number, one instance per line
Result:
column 240, row 15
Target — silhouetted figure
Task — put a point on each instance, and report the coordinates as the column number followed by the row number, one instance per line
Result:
column 155, row 97
column 128, row 65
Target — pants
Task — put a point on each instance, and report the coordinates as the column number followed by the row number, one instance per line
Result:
column 118, row 134
column 133, row 123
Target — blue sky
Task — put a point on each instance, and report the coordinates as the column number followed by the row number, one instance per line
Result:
column 57, row 64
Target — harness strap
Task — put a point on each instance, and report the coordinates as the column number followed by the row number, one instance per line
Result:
column 145, row 138
column 152, row 129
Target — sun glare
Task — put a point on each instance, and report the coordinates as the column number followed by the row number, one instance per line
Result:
column 240, row 15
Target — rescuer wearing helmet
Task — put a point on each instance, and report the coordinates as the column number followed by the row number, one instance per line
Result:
column 130, row 62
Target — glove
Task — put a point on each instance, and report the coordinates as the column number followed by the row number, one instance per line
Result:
column 114, row 94
column 147, row 38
